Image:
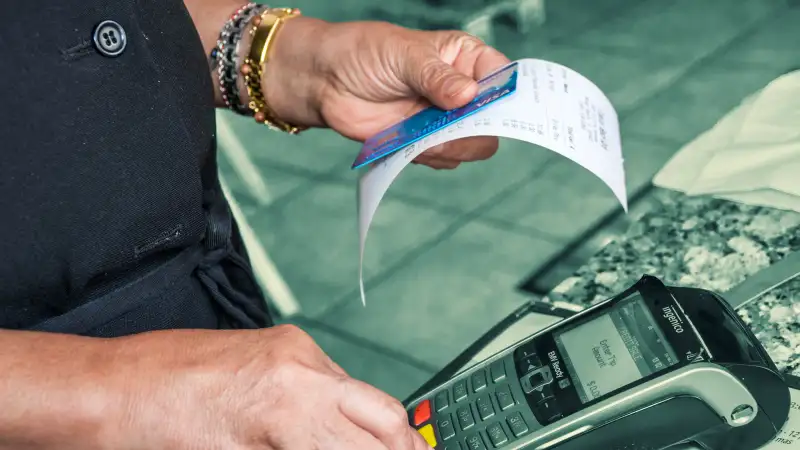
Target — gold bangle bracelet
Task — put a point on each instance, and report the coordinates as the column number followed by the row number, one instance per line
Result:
column 264, row 30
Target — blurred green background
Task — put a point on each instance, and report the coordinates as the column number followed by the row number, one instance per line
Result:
column 448, row 250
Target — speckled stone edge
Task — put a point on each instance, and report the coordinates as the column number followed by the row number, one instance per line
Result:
column 708, row 243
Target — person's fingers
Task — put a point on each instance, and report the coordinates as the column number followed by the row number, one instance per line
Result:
column 337, row 368
column 418, row 441
column 450, row 154
column 330, row 363
column 459, row 59
column 440, row 164
column 489, row 60
column 379, row 414
column 343, row 434
column 475, row 148
column 424, row 71
column 475, row 58
column 436, row 163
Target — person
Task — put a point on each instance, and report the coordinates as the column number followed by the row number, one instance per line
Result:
column 129, row 316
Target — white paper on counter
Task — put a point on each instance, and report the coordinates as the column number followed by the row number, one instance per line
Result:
column 752, row 155
column 553, row 107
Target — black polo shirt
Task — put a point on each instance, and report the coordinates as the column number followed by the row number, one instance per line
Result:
column 111, row 217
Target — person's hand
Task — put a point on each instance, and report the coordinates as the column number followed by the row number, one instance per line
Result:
column 270, row 389
column 359, row 78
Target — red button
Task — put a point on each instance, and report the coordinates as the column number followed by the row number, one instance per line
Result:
column 422, row 413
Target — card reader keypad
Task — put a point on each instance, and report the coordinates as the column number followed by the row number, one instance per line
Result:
column 446, row 427
column 465, row 418
column 517, row 424
column 498, row 371
column 496, row 434
column 441, row 401
column 478, row 381
column 460, row 391
column 477, row 412
column 485, row 408
column 504, row 398
column 475, row 442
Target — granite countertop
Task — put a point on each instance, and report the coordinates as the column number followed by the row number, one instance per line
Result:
column 707, row 243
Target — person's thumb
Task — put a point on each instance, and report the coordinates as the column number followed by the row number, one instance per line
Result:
column 439, row 82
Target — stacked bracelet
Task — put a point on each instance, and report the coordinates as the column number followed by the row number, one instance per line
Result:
column 263, row 31
column 225, row 56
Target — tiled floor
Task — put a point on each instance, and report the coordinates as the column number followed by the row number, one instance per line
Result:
column 448, row 248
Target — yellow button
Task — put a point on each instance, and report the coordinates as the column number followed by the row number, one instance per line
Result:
column 427, row 433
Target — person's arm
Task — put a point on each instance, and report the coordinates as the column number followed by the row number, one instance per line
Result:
column 54, row 391
column 209, row 16
column 188, row 389
column 299, row 36
column 358, row 78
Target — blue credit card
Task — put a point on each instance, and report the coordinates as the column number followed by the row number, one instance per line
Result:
column 500, row 84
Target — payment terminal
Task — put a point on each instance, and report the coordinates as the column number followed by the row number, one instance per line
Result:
column 651, row 368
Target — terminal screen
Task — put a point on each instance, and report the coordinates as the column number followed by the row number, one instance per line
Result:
column 610, row 351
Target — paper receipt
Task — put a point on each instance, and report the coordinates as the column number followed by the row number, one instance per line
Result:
column 789, row 436
column 553, row 107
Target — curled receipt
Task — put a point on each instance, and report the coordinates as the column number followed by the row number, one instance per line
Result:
column 553, row 107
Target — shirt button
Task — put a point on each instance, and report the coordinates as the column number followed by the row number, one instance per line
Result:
column 109, row 38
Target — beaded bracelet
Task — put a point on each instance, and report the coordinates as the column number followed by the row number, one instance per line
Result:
column 263, row 31
column 225, row 56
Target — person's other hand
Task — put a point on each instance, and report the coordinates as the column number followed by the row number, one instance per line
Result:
column 359, row 78
column 270, row 389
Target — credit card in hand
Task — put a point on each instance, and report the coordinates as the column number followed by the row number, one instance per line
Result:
column 500, row 84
